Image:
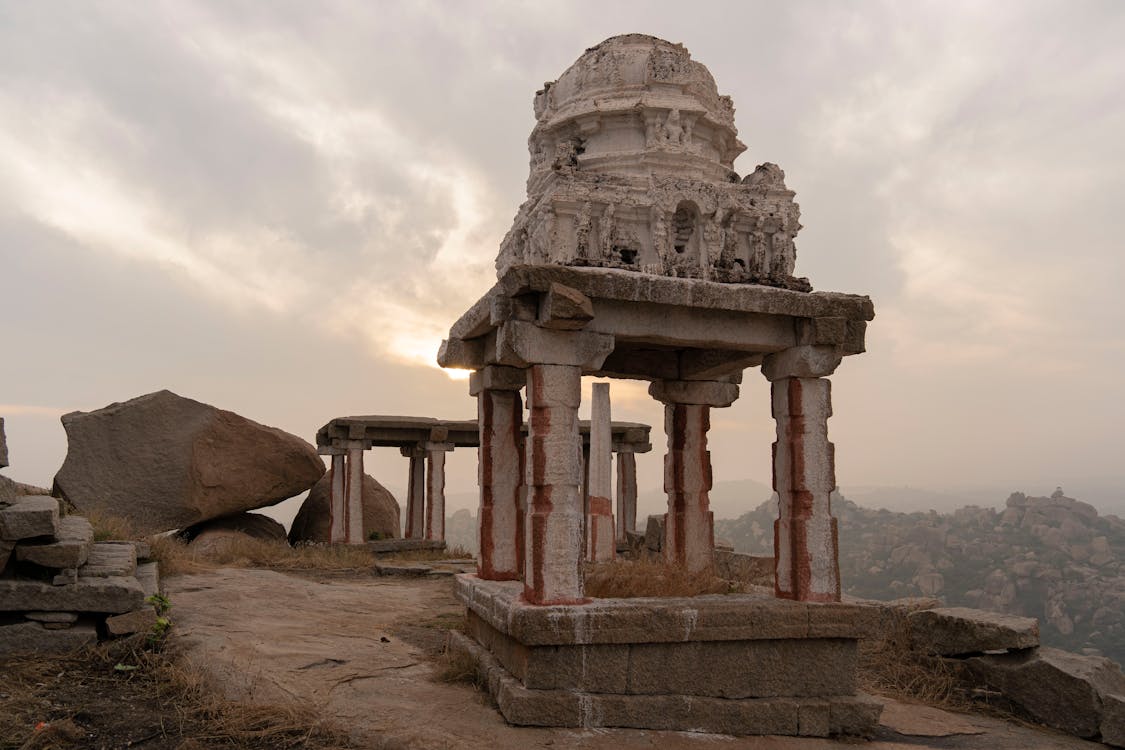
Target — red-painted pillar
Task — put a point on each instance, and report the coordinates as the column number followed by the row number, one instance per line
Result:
column 500, row 471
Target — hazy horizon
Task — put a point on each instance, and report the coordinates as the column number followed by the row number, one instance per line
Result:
column 279, row 210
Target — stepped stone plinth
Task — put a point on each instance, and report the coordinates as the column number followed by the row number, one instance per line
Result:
column 732, row 664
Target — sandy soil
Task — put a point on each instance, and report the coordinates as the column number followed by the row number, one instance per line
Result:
column 364, row 650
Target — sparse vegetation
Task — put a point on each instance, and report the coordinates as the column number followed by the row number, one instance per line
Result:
column 624, row 579
column 460, row 666
column 77, row 700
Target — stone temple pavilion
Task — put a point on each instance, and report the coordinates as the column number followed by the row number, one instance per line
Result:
column 640, row 253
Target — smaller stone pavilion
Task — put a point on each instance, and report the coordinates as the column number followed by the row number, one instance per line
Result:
column 425, row 441
column 641, row 254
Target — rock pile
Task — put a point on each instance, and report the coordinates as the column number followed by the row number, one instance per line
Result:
column 1000, row 654
column 59, row 589
column 1052, row 558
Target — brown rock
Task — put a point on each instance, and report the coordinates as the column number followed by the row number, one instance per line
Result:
column 110, row 559
column 167, row 462
column 3, row 446
column 380, row 512
column 137, row 621
column 1113, row 719
column 111, row 594
column 215, row 537
column 955, row 631
column 1057, row 688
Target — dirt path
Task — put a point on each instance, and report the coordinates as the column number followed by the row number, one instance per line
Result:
column 363, row 651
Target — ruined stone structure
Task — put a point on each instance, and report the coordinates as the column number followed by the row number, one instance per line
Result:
column 425, row 441
column 641, row 254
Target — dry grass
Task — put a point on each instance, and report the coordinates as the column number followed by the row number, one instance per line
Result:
column 625, row 579
column 888, row 666
column 107, row 526
column 72, row 700
column 427, row 555
column 176, row 557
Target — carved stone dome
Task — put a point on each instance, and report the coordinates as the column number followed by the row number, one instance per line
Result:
column 632, row 168
column 627, row 95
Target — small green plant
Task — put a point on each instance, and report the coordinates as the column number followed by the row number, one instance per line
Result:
column 122, row 667
column 375, row 536
column 159, row 630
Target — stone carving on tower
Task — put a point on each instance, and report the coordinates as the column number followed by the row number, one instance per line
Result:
column 632, row 167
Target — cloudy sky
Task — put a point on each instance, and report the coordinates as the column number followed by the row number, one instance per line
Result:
column 279, row 207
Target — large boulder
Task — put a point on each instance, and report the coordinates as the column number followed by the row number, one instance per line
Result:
column 217, row 535
column 1060, row 689
column 380, row 512
column 167, row 462
column 956, row 631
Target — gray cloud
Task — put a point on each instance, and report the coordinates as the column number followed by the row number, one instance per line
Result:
column 280, row 207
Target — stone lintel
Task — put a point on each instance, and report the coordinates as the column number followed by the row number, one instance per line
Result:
column 417, row 450
column 497, row 378
column 629, row 286
column 463, row 354
column 659, row 620
column 699, row 392
column 802, row 362
column 565, row 308
column 438, row 447
column 522, row 344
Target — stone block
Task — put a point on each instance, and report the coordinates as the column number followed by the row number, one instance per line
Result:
column 497, row 378
column 148, row 575
column 802, row 362
column 66, row 618
column 109, row 560
column 654, row 533
column 853, row 715
column 5, row 553
column 521, row 344
column 29, row 516
column 33, row 638
column 698, row 392
column 1113, row 719
column 137, row 621
column 3, row 445
column 744, row 669
column 70, row 549
column 1057, row 688
column 956, row 631
column 111, row 595
column 565, row 308
column 461, row 354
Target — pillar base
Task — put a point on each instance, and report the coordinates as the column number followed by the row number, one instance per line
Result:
column 742, row 664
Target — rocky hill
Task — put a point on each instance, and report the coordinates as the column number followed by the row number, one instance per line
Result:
column 1053, row 558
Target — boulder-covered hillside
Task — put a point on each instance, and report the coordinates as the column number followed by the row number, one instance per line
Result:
column 1053, row 558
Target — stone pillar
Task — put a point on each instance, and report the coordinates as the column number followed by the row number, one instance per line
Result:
column 500, row 471
column 338, row 528
column 626, row 492
column 689, row 526
column 806, row 547
column 600, row 538
column 553, row 573
column 415, row 493
column 353, row 506
column 435, row 490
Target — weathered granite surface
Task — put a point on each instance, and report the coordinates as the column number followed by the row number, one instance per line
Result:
column 166, row 462
column 111, row 594
column 955, row 631
column 27, row 517
column 70, row 548
column 34, row 637
column 381, row 512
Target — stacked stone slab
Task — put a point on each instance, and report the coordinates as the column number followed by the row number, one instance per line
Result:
column 59, row 589
column 740, row 664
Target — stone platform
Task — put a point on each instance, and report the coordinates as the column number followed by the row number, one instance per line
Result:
column 737, row 664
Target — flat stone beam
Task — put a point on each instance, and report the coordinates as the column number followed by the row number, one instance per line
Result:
column 522, row 344
column 553, row 528
column 806, row 545
column 600, row 537
column 626, row 493
column 435, row 490
column 500, row 474
column 415, row 493
column 338, row 529
column 353, row 491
